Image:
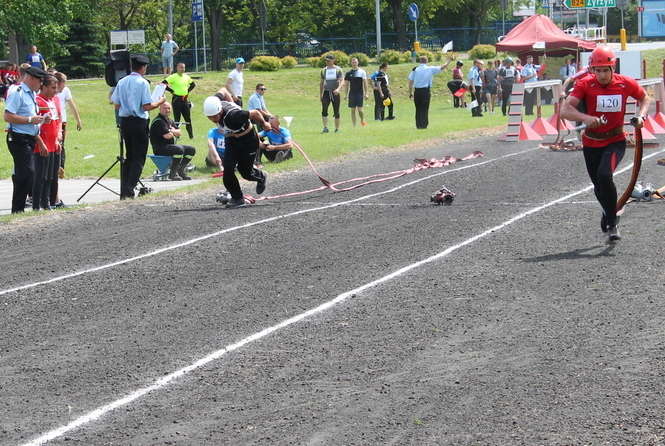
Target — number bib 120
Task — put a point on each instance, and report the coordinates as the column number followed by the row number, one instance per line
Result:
column 608, row 103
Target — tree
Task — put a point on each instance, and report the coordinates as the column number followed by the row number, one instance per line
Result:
column 85, row 53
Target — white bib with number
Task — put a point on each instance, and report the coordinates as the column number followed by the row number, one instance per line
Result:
column 608, row 103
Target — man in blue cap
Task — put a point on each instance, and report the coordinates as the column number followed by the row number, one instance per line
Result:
column 235, row 81
column 23, row 117
column 133, row 102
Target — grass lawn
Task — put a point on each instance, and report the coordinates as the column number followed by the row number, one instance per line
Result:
column 291, row 92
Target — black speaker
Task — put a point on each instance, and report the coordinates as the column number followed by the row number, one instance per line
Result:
column 118, row 66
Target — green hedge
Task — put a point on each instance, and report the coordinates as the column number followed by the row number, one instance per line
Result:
column 265, row 63
column 312, row 61
column 482, row 52
column 363, row 59
column 390, row 57
column 341, row 58
column 289, row 62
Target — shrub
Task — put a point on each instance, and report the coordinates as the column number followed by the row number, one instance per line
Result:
column 390, row 57
column 312, row 61
column 405, row 57
column 430, row 55
column 482, row 52
column 289, row 62
column 265, row 63
column 363, row 59
column 341, row 58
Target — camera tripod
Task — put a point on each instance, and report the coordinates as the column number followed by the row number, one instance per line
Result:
column 143, row 190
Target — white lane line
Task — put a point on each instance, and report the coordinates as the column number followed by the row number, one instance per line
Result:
column 166, row 380
column 249, row 225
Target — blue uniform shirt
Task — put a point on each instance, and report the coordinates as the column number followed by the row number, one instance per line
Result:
column 422, row 76
column 256, row 102
column 217, row 136
column 23, row 103
column 132, row 93
column 474, row 77
column 530, row 70
column 35, row 60
column 277, row 138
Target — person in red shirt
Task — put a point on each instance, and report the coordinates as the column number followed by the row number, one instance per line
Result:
column 47, row 149
column 604, row 142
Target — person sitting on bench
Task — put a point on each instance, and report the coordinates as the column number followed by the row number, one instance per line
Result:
column 279, row 143
column 163, row 134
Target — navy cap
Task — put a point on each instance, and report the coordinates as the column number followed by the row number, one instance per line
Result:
column 36, row 72
column 330, row 56
column 240, row 60
column 139, row 59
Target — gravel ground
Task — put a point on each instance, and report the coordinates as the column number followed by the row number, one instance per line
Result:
column 537, row 333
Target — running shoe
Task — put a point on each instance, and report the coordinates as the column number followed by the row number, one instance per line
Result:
column 261, row 185
column 235, row 203
column 613, row 234
column 325, row 130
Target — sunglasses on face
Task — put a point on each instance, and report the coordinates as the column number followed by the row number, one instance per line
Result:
column 263, row 89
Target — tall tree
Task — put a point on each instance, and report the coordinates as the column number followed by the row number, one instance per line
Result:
column 85, row 54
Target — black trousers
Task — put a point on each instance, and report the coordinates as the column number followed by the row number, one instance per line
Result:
column 421, row 98
column 506, row 91
column 330, row 98
column 477, row 96
column 181, row 108
column 21, row 147
column 240, row 153
column 135, row 134
column 453, row 86
column 178, row 150
column 62, row 145
column 379, row 108
column 529, row 101
column 46, row 172
column 601, row 163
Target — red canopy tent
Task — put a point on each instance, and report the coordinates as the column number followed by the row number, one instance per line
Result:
column 540, row 28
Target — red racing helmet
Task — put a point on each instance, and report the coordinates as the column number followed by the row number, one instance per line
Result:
column 602, row 57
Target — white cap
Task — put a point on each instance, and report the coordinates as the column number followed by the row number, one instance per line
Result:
column 212, row 106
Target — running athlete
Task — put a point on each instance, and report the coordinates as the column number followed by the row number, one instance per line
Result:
column 603, row 140
column 508, row 75
column 356, row 91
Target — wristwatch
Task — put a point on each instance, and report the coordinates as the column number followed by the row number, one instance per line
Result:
column 29, row 119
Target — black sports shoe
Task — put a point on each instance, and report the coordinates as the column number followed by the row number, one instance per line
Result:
column 235, row 203
column 261, row 185
column 603, row 223
column 613, row 234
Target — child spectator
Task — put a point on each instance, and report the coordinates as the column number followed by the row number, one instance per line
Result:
column 46, row 155
column 65, row 96
column 279, row 144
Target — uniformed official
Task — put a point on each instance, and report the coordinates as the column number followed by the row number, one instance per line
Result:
column 22, row 115
column 180, row 84
column 132, row 100
column 420, row 83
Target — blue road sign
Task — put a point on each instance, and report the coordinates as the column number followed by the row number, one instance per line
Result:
column 413, row 12
column 197, row 11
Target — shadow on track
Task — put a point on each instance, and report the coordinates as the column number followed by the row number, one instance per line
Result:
column 582, row 253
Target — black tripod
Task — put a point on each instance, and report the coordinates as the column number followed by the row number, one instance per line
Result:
column 119, row 159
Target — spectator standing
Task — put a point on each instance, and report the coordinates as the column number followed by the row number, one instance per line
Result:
column 132, row 100
column 356, row 91
column 235, row 81
column 567, row 71
column 420, row 84
column 476, row 84
column 331, row 84
column 169, row 49
column 21, row 114
column 279, row 146
column 529, row 74
column 456, row 83
column 507, row 76
column 35, row 59
column 46, row 155
column 489, row 76
column 181, row 84
column 257, row 101
column 66, row 98
column 163, row 134
column 382, row 93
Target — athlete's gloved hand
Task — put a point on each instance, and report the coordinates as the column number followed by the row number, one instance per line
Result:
column 592, row 122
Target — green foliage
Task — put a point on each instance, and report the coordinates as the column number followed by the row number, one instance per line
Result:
column 85, row 55
column 390, row 57
column 265, row 63
column 341, row 58
column 405, row 57
column 312, row 61
column 289, row 62
column 430, row 55
column 482, row 52
column 363, row 59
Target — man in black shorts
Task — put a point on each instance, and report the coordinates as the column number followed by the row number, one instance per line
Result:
column 163, row 132
column 241, row 141
column 329, row 88
column 356, row 91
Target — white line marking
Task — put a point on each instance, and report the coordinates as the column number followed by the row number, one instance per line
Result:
column 165, row 380
column 248, row 225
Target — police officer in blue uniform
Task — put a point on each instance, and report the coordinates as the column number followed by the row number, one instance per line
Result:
column 133, row 102
column 22, row 115
column 420, row 83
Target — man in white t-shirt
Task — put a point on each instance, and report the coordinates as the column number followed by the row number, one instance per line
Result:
column 235, row 81
column 169, row 49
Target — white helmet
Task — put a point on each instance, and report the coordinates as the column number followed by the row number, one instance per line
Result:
column 212, row 106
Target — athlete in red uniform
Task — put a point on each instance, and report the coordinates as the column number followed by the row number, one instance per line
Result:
column 604, row 141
